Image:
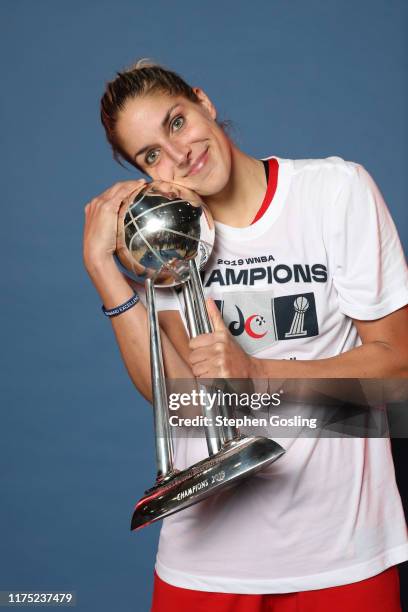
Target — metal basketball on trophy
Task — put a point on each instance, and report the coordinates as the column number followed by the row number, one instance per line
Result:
column 165, row 236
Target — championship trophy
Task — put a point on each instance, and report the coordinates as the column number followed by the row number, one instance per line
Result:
column 165, row 236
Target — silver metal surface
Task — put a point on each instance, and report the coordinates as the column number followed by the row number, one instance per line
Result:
column 164, row 442
column 235, row 461
column 165, row 236
column 190, row 311
column 214, row 435
column 199, row 299
column 161, row 227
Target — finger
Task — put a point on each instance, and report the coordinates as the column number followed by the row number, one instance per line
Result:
column 125, row 198
column 120, row 189
column 214, row 351
column 123, row 208
column 111, row 205
column 200, row 355
column 132, row 186
column 215, row 315
column 200, row 370
column 210, row 374
column 211, row 368
column 125, row 186
column 205, row 340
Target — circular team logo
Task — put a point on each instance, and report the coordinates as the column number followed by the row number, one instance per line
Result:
column 255, row 326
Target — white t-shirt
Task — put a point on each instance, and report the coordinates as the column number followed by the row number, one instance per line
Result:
column 328, row 512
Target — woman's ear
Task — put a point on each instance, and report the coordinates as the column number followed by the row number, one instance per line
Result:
column 205, row 101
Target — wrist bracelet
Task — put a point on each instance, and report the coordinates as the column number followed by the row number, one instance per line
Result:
column 113, row 312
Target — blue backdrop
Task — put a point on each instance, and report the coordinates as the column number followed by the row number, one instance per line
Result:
column 298, row 79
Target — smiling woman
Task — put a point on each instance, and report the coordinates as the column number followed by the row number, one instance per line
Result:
column 175, row 139
column 166, row 128
column 295, row 290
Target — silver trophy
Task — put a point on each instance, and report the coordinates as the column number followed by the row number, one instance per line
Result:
column 165, row 236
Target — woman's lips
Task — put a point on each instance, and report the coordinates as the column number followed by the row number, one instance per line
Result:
column 198, row 164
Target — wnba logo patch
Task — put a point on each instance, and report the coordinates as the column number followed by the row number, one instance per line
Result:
column 295, row 316
column 257, row 320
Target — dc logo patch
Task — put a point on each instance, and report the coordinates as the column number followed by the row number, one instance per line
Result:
column 257, row 320
column 295, row 316
column 249, row 318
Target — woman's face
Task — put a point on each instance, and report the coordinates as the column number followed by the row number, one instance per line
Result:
column 173, row 139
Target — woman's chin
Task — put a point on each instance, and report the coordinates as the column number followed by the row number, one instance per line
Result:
column 211, row 186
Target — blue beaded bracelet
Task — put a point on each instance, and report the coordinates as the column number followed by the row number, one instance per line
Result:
column 113, row 312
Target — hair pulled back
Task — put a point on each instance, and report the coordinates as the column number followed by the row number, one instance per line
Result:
column 142, row 78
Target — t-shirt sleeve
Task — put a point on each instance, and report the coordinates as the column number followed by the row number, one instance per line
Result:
column 368, row 263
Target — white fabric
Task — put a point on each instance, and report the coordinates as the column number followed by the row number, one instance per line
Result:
column 328, row 512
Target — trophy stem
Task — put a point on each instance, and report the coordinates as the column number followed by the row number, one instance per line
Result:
column 230, row 432
column 212, row 433
column 163, row 439
column 199, row 299
column 192, row 322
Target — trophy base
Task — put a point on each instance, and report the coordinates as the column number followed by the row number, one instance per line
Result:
column 237, row 459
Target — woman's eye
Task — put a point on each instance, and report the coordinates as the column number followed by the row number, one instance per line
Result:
column 177, row 123
column 151, row 157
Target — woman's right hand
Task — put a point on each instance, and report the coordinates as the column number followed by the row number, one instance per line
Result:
column 101, row 223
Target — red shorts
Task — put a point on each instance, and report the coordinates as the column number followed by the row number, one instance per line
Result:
column 377, row 594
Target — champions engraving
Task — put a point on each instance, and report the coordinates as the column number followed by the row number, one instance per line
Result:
column 197, row 487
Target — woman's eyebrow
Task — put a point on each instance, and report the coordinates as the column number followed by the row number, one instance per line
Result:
column 163, row 124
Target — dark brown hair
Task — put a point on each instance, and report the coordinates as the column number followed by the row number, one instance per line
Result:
column 142, row 78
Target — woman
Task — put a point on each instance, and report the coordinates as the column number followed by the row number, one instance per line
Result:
column 323, row 527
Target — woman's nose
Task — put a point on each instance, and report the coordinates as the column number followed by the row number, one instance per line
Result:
column 180, row 155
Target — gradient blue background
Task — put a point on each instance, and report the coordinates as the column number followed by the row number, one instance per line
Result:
column 298, row 79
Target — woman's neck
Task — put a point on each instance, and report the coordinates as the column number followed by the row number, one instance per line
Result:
column 237, row 204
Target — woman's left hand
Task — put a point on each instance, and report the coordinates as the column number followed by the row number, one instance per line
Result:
column 217, row 355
